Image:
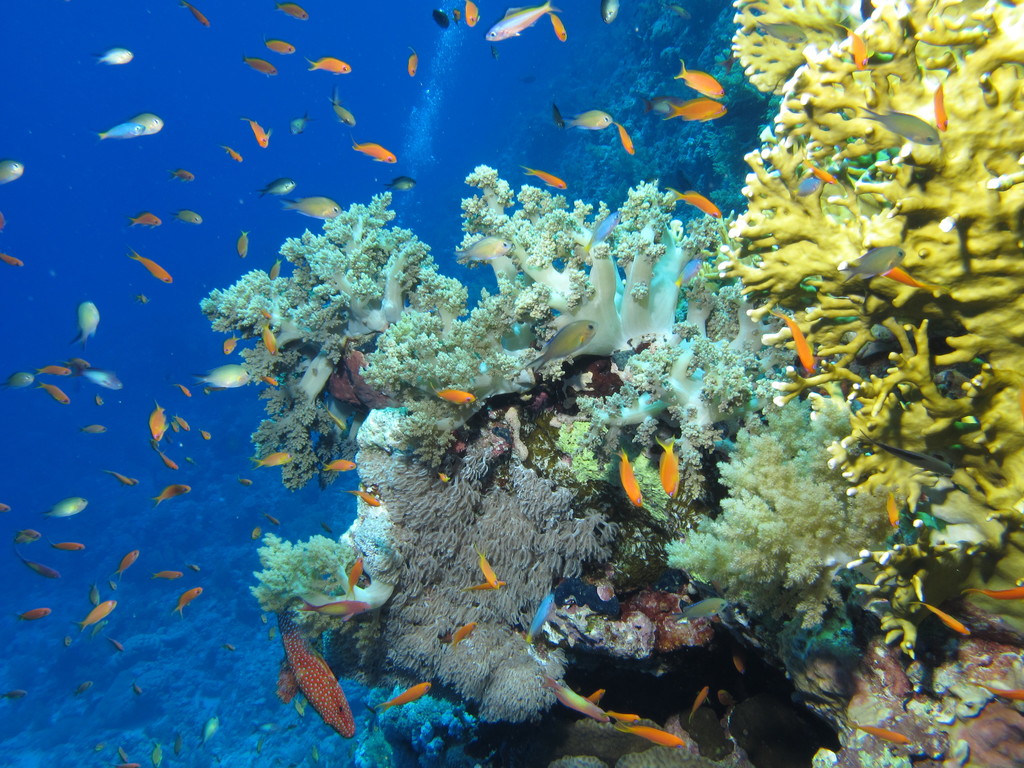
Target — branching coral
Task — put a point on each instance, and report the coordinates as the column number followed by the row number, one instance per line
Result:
column 952, row 205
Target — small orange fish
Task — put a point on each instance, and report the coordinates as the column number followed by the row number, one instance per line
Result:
column 169, row 575
column 559, row 27
column 242, row 244
column 628, row 480
column 376, row 151
column 55, row 392
column 456, row 396
column 699, row 110
column 68, row 546
column 231, row 153
column 339, row 465
column 279, row 46
column 182, row 423
column 26, row 536
column 262, row 136
column 205, row 435
column 126, row 563
column 54, row 370
column 858, row 49
column 98, row 613
column 145, row 219
column 1016, row 593
column 154, row 269
column 822, row 175
column 472, row 15
column 167, row 460
column 892, row 510
column 294, row 10
column 269, row 380
column 195, row 13
column 272, row 519
column 35, row 614
column 122, row 478
column 185, row 598
column 170, row 492
column 181, row 173
column 596, row 696
column 275, row 271
column 902, row 276
column 701, row 82
column 490, row 577
column 269, row 340
column 370, row 499
column 549, row 179
column 803, row 348
column 656, row 735
column 883, row 733
column 405, row 697
column 701, row 698
column 244, row 481
column 1015, row 694
column 157, row 422
column 329, row 64
column 256, row 533
column 413, row 63
column 229, row 345
column 274, row 459
column 668, row 467
column 939, row 102
column 8, row 259
column 184, row 390
column 119, row 647
column 627, row 142
column 622, row 717
column 262, row 66
column 946, row 619
column 462, row 633
column 697, row 200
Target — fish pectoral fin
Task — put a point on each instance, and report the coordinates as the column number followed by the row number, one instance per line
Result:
column 287, row 685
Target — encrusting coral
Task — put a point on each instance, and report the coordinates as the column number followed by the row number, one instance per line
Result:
column 949, row 197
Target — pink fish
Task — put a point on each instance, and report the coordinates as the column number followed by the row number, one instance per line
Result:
column 305, row 670
column 329, row 606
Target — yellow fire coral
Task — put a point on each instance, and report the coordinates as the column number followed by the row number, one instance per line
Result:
column 951, row 201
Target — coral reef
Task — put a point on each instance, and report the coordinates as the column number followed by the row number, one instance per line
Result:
column 929, row 364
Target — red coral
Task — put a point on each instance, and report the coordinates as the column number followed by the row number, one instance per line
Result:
column 347, row 384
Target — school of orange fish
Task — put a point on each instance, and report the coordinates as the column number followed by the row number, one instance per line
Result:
column 514, row 22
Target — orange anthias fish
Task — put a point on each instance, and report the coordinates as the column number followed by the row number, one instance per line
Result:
column 414, row 62
column 154, row 269
column 547, row 178
column 294, row 10
column 416, row 692
column 668, row 467
column 306, row 671
column 368, row 498
column 98, row 613
column 330, row 64
column 269, row 340
column 462, row 633
column 167, row 575
column 182, row 174
column 902, row 276
column 700, row 110
column 231, row 153
column 376, row 151
column 126, row 562
column 280, row 46
column 627, row 142
column 195, row 12
column 185, row 598
column 701, row 698
column 262, row 66
column 697, row 200
column 339, row 465
column 262, row 136
column 457, row 396
column 939, row 102
column 170, row 492
column 55, row 392
column 883, row 733
column 167, row 460
column 274, row 459
column 822, row 175
column 573, row 700
column 559, row 27
column 354, row 573
column 858, row 49
column 490, row 577
column 656, row 735
column 628, row 480
column 946, row 619
column 68, row 546
column 892, row 510
column 701, row 82
column 122, row 478
column 803, row 347
column 1015, row 694
column 472, row 15
column 1016, row 593
column 157, row 423
column 35, row 614
column 145, row 219
column 12, row 260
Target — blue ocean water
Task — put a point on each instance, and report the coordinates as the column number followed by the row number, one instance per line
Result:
column 67, row 220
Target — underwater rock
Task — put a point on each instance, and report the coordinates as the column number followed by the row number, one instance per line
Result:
column 662, row 609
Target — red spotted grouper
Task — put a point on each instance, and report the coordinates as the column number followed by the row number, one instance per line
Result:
column 305, row 670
